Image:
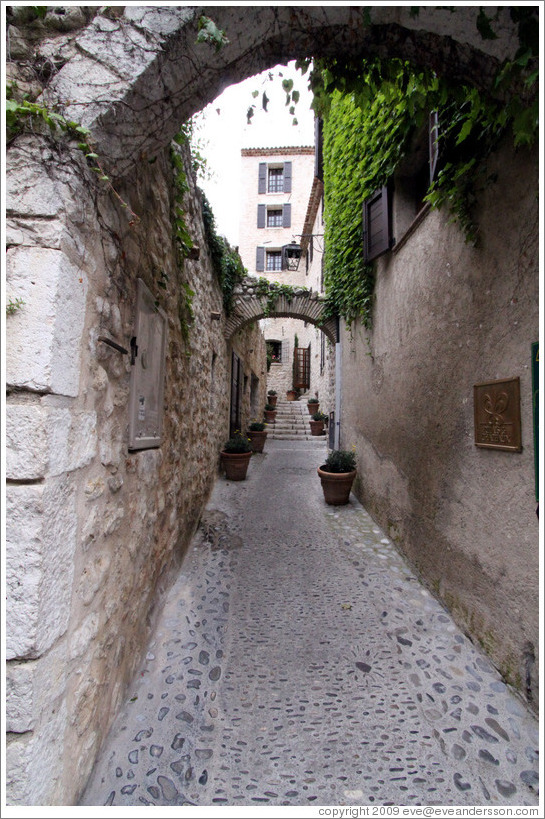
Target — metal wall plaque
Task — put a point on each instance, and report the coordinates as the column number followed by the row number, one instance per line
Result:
column 497, row 415
column 147, row 375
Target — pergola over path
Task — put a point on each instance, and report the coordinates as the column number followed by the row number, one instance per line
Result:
column 250, row 305
column 133, row 79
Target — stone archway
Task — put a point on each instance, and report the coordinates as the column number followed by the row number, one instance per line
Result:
column 249, row 306
column 135, row 77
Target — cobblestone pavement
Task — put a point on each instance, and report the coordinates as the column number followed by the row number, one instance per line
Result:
column 298, row 661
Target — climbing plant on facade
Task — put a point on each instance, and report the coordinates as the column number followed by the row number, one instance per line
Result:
column 372, row 109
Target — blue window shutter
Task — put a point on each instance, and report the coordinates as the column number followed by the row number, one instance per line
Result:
column 262, row 182
column 287, row 177
column 260, row 259
column 261, row 214
column 286, row 216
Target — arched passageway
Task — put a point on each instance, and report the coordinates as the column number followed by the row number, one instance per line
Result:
column 76, row 570
column 249, row 305
column 136, row 77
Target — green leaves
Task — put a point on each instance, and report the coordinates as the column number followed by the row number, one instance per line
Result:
column 212, row 35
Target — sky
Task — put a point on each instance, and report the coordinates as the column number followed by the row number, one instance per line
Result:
column 222, row 130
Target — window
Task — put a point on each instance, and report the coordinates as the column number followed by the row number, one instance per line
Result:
column 277, row 216
column 274, row 259
column 274, row 178
column 274, row 349
column 274, row 218
column 386, row 215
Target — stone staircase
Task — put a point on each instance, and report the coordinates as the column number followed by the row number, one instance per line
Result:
column 292, row 424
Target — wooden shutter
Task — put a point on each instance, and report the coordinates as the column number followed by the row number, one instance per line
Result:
column 236, row 390
column 262, row 180
column 376, row 225
column 260, row 259
column 318, row 149
column 261, row 215
column 433, row 143
column 287, row 177
column 286, row 216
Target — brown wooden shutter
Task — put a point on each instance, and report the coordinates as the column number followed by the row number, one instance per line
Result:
column 286, row 216
column 318, row 149
column 287, row 177
column 261, row 215
column 262, row 179
column 433, row 143
column 236, row 394
column 376, row 225
column 301, row 368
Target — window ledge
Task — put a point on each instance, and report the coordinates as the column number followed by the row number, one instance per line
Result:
column 420, row 216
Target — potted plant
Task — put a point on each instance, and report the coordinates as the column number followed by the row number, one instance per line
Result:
column 317, row 422
column 313, row 405
column 257, row 433
column 235, row 457
column 337, row 475
column 272, row 397
column 270, row 413
column 291, row 395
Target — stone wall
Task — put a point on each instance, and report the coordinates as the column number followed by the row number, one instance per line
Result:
column 448, row 316
column 95, row 531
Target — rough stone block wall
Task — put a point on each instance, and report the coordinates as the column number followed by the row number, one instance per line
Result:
column 95, row 531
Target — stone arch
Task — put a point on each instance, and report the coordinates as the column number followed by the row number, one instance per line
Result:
column 248, row 307
column 134, row 78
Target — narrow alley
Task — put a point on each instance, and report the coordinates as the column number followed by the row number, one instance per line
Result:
column 298, row 661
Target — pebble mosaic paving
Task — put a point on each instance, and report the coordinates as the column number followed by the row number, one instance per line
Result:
column 299, row 661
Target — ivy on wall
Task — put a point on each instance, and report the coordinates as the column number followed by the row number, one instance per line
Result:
column 372, row 109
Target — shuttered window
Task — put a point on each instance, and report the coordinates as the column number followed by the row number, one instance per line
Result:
column 376, row 225
column 274, row 260
column 276, row 180
column 275, row 218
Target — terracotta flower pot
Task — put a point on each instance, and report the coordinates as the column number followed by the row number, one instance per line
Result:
column 257, row 439
column 272, row 399
column 291, row 395
column 235, row 465
column 316, row 427
column 336, row 486
column 270, row 416
column 312, row 408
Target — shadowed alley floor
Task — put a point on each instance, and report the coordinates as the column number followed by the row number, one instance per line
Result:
column 298, row 661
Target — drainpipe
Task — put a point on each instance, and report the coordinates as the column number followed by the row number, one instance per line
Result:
column 338, row 385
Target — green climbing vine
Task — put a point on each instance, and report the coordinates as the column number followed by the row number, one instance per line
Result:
column 272, row 291
column 23, row 115
column 372, row 109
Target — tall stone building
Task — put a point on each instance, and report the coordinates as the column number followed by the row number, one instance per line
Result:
column 282, row 240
